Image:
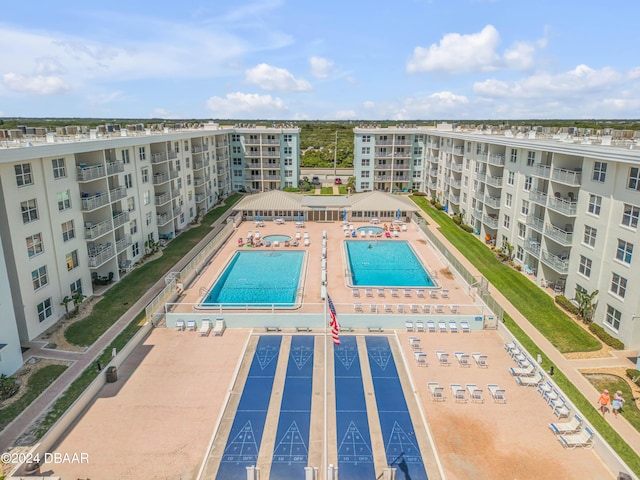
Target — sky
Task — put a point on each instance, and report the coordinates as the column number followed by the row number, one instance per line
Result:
column 321, row 60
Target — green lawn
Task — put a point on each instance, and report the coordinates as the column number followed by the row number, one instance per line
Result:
column 613, row 383
column 530, row 300
column 119, row 298
column 326, row 191
column 343, row 190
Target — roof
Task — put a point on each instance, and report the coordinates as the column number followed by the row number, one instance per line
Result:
column 368, row 201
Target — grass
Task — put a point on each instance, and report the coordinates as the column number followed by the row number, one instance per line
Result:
column 343, row 190
column 37, row 384
column 613, row 383
column 119, row 298
column 538, row 307
column 326, row 191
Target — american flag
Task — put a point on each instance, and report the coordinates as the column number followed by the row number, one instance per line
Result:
column 335, row 326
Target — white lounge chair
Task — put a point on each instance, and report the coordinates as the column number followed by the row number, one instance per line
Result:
column 219, row 327
column 355, row 292
column 401, row 308
column 465, row 327
column 572, row 426
column 179, row 325
column 530, row 381
column 443, row 358
column 408, row 326
column 419, row 326
column 497, row 393
column 421, row 358
column 442, row 326
column 523, row 372
column 357, row 307
column 307, row 242
column 394, row 292
column 373, row 307
column 407, row 293
column 388, row 308
column 436, row 391
column 191, row 325
column 426, row 308
column 414, row 342
column 475, row 393
column 431, row 327
column 463, row 359
column 205, row 328
column 420, row 293
column 368, row 292
column 481, row 360
column 414, row 308
column 454, row 309
column 362, row 234
column 560, row 408
column 444, row 293
column 458, row 393
column 453, row 326
column 380, row 292
column 583, row 439
column 433, row 294
column 545, row 388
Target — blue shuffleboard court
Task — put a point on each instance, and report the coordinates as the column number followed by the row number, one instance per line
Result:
column 244, row 439
column 291, row 449
column 355, row 457
column 401, row 447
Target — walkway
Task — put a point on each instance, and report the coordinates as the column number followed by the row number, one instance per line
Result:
column 569, row 367
column 40, row 406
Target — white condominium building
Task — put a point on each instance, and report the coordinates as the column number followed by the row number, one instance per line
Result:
column 80, row 211
column 569, row 209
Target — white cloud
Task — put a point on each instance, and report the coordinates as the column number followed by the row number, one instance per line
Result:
column 321, row 67
column 277, row 79
column 247, row 105
column 36, row 84
column 345, row 115
column 368, row 105
column 458, row 53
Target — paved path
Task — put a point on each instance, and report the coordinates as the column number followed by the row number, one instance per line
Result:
column 568, row 367
column 81, row 360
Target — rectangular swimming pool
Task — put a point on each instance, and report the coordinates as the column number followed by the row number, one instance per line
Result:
column 258, row 278
column 385, row 263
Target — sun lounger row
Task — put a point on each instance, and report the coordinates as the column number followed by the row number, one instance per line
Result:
column 412, row 308
column 463, row 393
column 205, row 326
column 463, row 359
column 443, row 327
column 573, row 434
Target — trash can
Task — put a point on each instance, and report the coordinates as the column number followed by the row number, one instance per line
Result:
column 112, row 374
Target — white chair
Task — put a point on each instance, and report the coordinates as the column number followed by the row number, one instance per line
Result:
column 368, row 292
column 436, row 391
column 442, row 326
column 420, row 293
column 219, row 327
column 583, row 439
column 444, row 293
column 497, row 393
column 355, row 292
column 357, row 307
column 475, row 393
column 572, row 426
column 407, row 293
column 421, row 358
column 205, row 328
column 465, row 327
column 443, row 358
column 394, row 292
column 408, row 326
column 530, row 381
column 419, row 326
column 426, row 308
column 414, row 308
column 453, row 326
column 458, row 393
column 463, row 359
column 191, row 325
column 373, row 307
column 433, row 294
column 431, row 327
column 400, row 308
column 388, row 308
column 380, row 292
column 179, row 325
column 454, row 309
column 481, row 360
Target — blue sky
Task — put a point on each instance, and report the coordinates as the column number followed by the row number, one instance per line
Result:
column 286, row 59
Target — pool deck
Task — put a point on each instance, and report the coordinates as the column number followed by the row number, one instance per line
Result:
column 158, row 419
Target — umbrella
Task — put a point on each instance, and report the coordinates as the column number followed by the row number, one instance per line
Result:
column 398, row 214
column 299, row 216
column 344, row 215
column 258, row 218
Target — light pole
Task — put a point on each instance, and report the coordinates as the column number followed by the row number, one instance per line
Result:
column 335, row 155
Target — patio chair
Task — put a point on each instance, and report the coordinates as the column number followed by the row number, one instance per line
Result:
column 438, row 308
column 205, row 328
column 355, row 293
column 420, row 293
column 523, row 372
column 436, row 391
column 357, row 307
column 414, row 308
column 530, row 381
column 444, row 293
column 388, row 308
column 394, row 292
column 475, row 393
column 583, row 439
column 407, row 293
column 307, row 242
column 454, row 309
column 421, row 358
column 560, row 408
column 453, row 326
column 465, row 327
column 408, row 326
column 551, row 396
column 368, row 292
column 458, row 393
column 401, row 308
column 497, row 393
column 419, row 326
column 426, row 308
column 431, row 327
column 510, row 346
column 380, row 292
column 191, row 325
column 544, row 388
column 481, row 360
column 179, row 325
column 433, row 294
column 414, row 342
column 219, row 327
column 463, row 359
column 373, row 307
column 572, row 426
column 442, row 327
column 443, row 358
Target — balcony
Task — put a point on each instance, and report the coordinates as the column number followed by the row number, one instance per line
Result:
column 481, row 157
column 123, row 243
column 494, row 181
column 455, row 183
column 433, row 186
column 491, row 222
column 384, row 142
column 398, row 178
column 160, row 178
column 457, row 167
column 271, row 153
column 115, row 167
column 84, row 173
column 542, row 171
column 118, row 193
column 199, row 148
column 200, row 197
column 479, row 195
column 402, row 167
column 380, row 154
column 160, row 157
column 433, row 172
column 481, row 176
column 496, row 159
column 163, row 219
column 172, row 155
column 560, row 263
column 563, row 205
column 492, row 201
column 454, row 199
column 198, row 165
column 120, row 218
column 100, row 254
column 538, row 197
column 382, row 178
column 402, row 154
column 175, row 192
column 162, row 199
column 458, row 150
column 563, row 237
column 535, row 223
column 95, row 201
column 568, row 177
column 477, row 213
column 91, row 232
column 177, row 211
column 532, row 246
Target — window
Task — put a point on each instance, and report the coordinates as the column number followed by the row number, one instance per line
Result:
column 417, row 162
column 128, row 182
column 522, row 230
column 287, row 138
column 288, row 162
column 366, row 139
column 507, row 221
column 187, row 162
column 59, row 170
column 511, row 178
column 508, row 200
column 365, row 174
column 131, row 204
column 366, row 150
column 34, row 245
column 142, row 153
column 135, row 249
column 634, row 178
column 585, row 266
column 145, row 175
column 76, row 287
column 238, row 173
column 178, row 168
column 599, row 171
column 365, row 162
column 514, row 155
column 618, row 285
column 64, row 202
column 520, row 253
column 531, row 158
column 589, row 235
column 29, row 210
column 236, row 149
column 125, row 157
column 288, row 150
column 148, row 218
column 234, row 138
column 288, row 173
column 68, row 231
column 364, row 186
column 72, row 260
column 630, row 216
column 467, row 164
column 595, row 202
column 179, row 184
column 237, row 161
column 39, row 277
column 133, row 227
column 417, row 151
column 613, row 317
column 525, row 207
column 23, row 174
column 527, row 183
column 624, row 251
column 188, row 179
column 45, row 310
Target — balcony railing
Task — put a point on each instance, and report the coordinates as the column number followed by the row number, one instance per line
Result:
column 115, row 167
column 433, row 185
column 481, row 157
column 479, row 195
column 477, row 213
column 563, row 205
column 454, row 199
column 433, row 172
column 458, row 150
column 163, row 219
column 543, row 171
column 177, row 211
column 561, row 236
column 200, row 197
column 123, row 243
column 160, row 178
column 492, row 201
column 496, row 159
column 198, row 165
column 94, row 231
column 560, row 263
column 494, row 181
column 569, row 177
column 160, row 157
column 120, row 218
column 535, row 223
column 85, row 174
column 118, row 193
column 532, row 246
column 172, row 154
column 95, row 201
column 538, row 197
column 162, row 199
column 455, row 183
column 457, row 167
column 100, row 255
column 490, row 221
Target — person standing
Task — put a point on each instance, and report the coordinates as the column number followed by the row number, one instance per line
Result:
column 604, row 401
column 617, row 402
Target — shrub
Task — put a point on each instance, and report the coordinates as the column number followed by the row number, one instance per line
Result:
column 439, row 206
column 467, row 228
column 605, row 337
column 566, row 304
column 418, row 194
column 8, row 387
column 457, row 220
column 291, row 189
column 634, row 375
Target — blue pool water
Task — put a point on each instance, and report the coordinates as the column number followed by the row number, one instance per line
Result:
column 370, row 228
column 276, row 238
column 258, row 278
column 389, row 263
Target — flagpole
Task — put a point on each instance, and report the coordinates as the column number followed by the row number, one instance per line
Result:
column 326, row 448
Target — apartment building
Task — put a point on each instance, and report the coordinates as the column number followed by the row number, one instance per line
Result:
column 568, row 209
column 264, row 159
column 78, row 212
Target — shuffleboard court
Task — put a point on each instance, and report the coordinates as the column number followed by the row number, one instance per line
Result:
column 401, row 447
column 355, row 457
column 244, row 439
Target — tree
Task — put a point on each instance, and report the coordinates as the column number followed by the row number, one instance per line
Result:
column 77, row 298
column 586, row 304
column 65, row 302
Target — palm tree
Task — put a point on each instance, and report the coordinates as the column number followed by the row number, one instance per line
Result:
column 77, row 298
column 586, row 304
column 65, row 302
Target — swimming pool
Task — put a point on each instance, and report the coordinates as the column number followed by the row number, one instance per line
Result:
column 388, row 263
column 258, row 278
column 370, row 228
column 276, row 238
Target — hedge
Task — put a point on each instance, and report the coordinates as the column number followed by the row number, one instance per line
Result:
column 566, row 304
column 634, row 375
column 605, row 337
